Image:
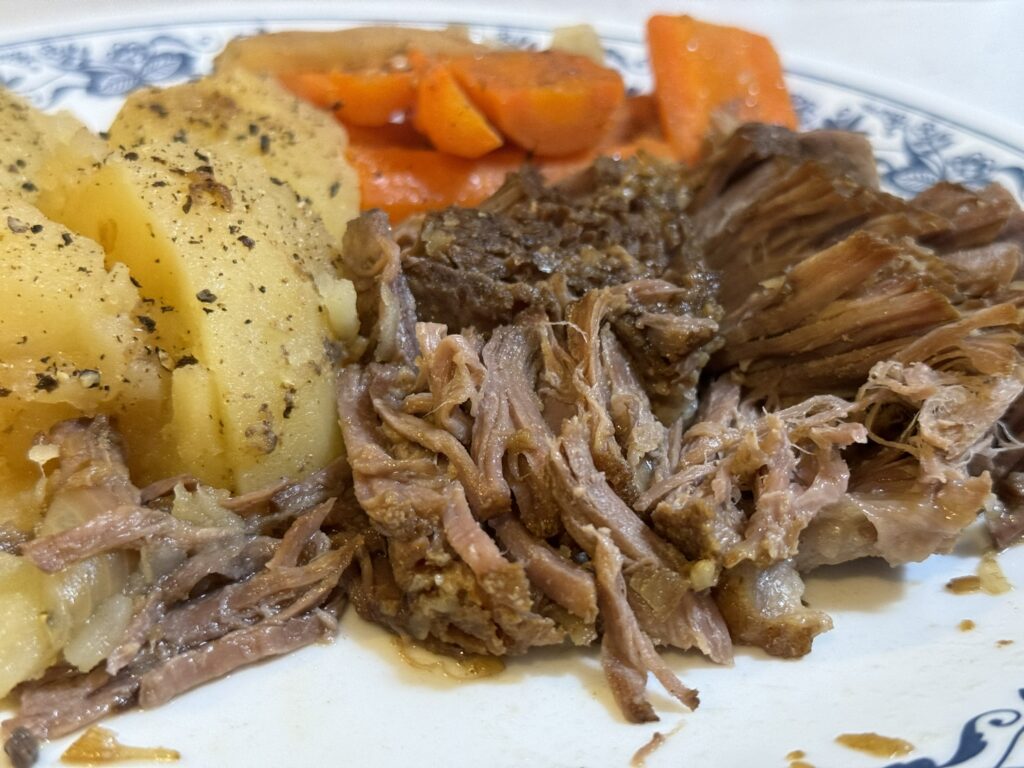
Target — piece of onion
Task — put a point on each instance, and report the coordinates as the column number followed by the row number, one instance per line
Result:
column 202, row 507
column 100, row 633
column 25, row 647
column 158, row 558
column 74, row 594
column 991, row 578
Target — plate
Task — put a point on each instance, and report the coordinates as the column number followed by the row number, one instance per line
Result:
column 897, row 662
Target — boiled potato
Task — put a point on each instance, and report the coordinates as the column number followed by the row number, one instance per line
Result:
column 78, row 612
column 189, row 292
column 72, row 342
column 256, row 117
column 30, row 139
column 227, row 260
column 26, row 645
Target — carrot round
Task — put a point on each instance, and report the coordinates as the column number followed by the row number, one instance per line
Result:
column 446, row 116
column 370, row 97
column 550, row 102
column 701, row 69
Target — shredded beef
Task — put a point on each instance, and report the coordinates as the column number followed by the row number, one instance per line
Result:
column 633, row 406
column 763, row 607
column 224, row 654
column 208, row 597
column 535, row 248
column 22, row 748
column 617, row 222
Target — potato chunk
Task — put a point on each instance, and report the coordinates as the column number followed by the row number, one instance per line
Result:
column 31, row 140
column 255, row 117
column 72, row 341
column 227, row 259
column 26, row 644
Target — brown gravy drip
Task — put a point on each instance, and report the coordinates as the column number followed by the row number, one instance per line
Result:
column 465, row 667
column 99, row 746
column 876, row 745
column 963, row 585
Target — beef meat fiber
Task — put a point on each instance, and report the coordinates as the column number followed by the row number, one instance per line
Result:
column 537, row 248
column 633, row 407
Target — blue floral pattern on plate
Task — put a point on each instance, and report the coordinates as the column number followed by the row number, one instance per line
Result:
column 92, row 72
column 50, row 70
column 913, row 153
column 1000, row 729
column 914, row 150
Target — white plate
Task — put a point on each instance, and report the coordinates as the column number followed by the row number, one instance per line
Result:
column 896, row 663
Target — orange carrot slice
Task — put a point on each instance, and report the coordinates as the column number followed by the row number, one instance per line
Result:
column 446, row 116
column 700, row 69
column 401, row 174
column 402, row 180
column 370, row 97
column 390, row 135
column 550, row 102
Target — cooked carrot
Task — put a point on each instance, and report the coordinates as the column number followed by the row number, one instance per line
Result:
column 549, row 102
column 646, row 144
column 637, row 116
column 390, row 135
column 634, row 127
column 400, row 174
column 420, row 61
column 446, row 116
column 370, row 97
column 701, row 69
column 404, row 180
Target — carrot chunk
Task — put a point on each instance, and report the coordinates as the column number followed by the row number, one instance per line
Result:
column 446, row 116
column 402, row 175
column 550, row 102
column 701, row 69
column 370, row 97
column 402, row 180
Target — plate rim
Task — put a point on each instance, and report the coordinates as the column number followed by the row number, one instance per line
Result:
column 909, row 99
column 984, row 126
